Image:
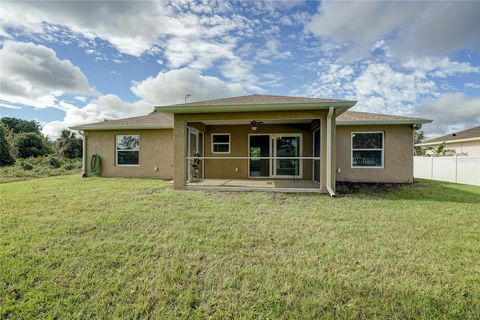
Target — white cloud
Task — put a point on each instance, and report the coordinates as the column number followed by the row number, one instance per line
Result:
column 451, row 111
column 105, row 107
column 271, row 51
column 171, row 87
column 440, row 67
column 33, row 75
column 396, row 88
column 132, row 27
column 472, row 85
column 9, row 106
column 416, row 27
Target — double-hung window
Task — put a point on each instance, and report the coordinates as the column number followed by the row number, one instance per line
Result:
column 128, row 149
column 220, row 143
column 367, row 149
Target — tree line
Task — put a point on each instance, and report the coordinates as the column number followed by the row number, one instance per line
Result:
column 20, row 139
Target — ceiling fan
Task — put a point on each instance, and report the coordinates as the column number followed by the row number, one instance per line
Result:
column 255, row 124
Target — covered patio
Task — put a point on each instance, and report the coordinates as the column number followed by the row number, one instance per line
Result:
column 267, row 143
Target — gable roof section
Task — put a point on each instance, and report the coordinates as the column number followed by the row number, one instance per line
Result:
column 367, row 118
column 256, row 99
column 154, row 120
column 257, row 102
column 471, row 134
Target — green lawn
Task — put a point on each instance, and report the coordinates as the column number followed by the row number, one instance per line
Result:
column 132, row 248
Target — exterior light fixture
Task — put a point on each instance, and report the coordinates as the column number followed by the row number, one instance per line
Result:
column 255, row 124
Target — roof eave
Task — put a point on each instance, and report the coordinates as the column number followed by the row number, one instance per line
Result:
column 182, row 109
column 380, row 122
column 119, row 127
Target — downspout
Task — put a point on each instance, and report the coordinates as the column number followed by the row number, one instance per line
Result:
column 331, row 112
column 84, row 153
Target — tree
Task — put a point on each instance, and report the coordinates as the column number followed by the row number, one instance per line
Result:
column 440, row 150
column 6, row 158
column 69, row 146
column 20, row 126
column 30, row 145
column 418, row 137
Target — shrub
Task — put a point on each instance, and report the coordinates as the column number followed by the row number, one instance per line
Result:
column 30, row 145
column 6, row 158
column 26, row 166
column 53, row 162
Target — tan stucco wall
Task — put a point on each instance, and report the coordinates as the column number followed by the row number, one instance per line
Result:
column 239, row 137
column 398, row 155
column 156, row 151
column 471, row 148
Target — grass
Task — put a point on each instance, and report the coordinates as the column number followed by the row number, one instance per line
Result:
column 131, row 248
column 41, row 167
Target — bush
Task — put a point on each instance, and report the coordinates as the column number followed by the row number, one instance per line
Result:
column 53, row 162
column 26, row 166
column 6, row 158
column 72, row 166
column 30, row 145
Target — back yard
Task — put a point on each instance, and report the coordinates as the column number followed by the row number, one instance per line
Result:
column 131, row 248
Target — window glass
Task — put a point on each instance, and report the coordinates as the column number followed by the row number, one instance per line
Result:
column 221, row 138
column 220, row 143
column 367, row 149
column 367, row 158
column 128, row 149
column 367, row 140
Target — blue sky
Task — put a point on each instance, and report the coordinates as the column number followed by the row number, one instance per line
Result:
column 66, row 63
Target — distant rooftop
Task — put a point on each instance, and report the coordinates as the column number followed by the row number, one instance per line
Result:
column 471, row 133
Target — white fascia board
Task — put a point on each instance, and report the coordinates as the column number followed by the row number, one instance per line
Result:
column 179, row 109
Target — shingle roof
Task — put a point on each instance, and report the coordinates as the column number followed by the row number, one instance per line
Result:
column 258, row 99
column 465, row 134
column 150, row 121
column 158, row 120
column 355, row 116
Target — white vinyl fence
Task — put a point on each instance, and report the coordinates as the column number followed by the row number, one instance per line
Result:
column 459, row 169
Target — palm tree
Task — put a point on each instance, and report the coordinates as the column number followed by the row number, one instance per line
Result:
column 69, row 145
column 440, row 150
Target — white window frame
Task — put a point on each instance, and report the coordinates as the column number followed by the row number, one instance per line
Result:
column 116, row 150
column 367, row 149
column 221, row 143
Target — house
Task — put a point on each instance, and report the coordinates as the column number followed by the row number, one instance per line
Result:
column 466, row 142
column 256, row 142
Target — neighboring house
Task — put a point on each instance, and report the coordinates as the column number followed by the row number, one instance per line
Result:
column 466, row 142
column 256, row 142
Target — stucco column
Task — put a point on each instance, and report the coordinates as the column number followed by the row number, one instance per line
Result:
column 179, row 147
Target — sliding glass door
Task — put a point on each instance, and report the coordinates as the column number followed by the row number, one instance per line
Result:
column 286, row 146
column 268, row 146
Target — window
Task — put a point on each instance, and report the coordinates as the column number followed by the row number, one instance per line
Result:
column 220, row 143
column 128, row 147
column 367, row 149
